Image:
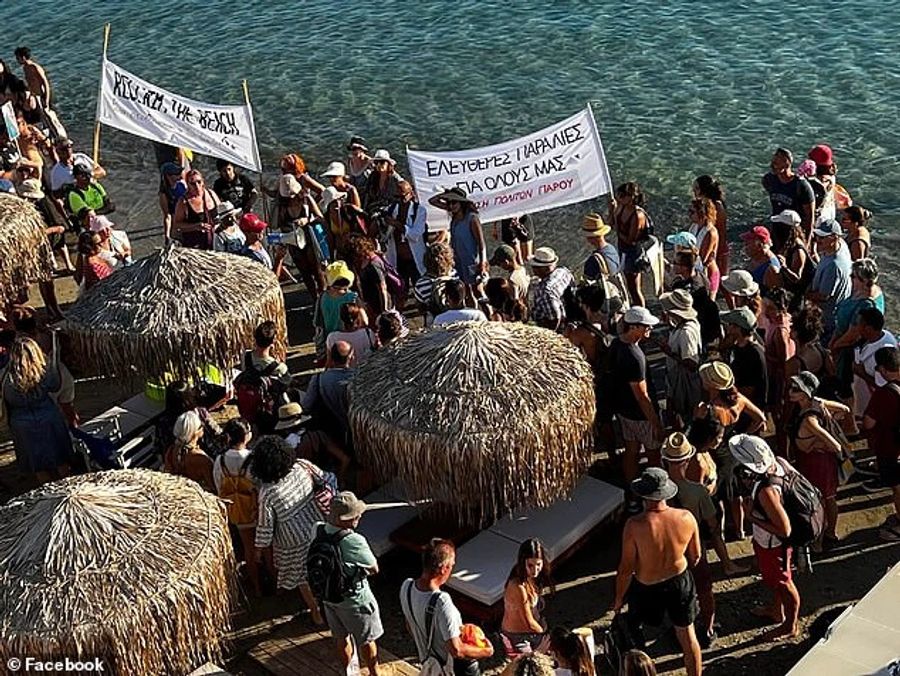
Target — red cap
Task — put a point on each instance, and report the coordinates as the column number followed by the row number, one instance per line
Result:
column 759, row 232
column 252, row 223
column 821, row 154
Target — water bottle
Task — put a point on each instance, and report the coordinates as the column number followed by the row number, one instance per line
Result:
column 275, row 238
column 804, row 562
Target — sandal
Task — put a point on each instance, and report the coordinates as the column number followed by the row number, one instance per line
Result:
column 890, row 533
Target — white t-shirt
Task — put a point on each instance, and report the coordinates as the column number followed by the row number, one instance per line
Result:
column 61, row 174
column 362, row 340
column 465, row 314
column 234, row 460
column 520, row 280
column 865, row 355
column 447, row 622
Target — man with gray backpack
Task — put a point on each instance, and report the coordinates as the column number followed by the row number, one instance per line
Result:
column 787, row 516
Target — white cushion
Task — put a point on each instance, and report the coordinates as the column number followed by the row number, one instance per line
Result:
column 565, row 522
column 378, row 524
column 482, row 566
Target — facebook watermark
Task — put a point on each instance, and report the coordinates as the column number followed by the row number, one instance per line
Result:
column 40, row 665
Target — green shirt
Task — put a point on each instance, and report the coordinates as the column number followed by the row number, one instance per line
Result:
column 695, row 498
column 357, row 557
column 91, row 198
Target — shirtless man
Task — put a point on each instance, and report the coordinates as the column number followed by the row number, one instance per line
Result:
column 658, row 548
column 35, row 76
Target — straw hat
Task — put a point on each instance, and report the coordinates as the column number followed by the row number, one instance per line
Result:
column 338, row 270
column 679, row 303
column 30, row 189
column 593, row 226
column 329, row 195
column 543, row 257
column 676, row 448
column 740, row 283
column 290, row 415
column 289, row 186
column 334, row 169
column 717, row 374
column 382, row 155
column 225, row 209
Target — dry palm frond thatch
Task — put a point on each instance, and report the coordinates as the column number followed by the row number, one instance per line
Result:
column 131, row 566
column 26, row 255
column 175, row 311
column 482, row 417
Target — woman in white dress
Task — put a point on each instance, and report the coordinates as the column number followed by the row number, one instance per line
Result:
column 288, row 512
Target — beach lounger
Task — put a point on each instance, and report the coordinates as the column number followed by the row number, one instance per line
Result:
column 566, row 522
column 378, row 524
column 482, row 567
column 483, row 563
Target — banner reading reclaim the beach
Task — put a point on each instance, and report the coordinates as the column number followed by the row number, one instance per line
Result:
column 138, row 107
column 559, row 165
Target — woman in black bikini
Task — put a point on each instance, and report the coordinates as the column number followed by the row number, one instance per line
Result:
column 630, row 221
column 195, row 215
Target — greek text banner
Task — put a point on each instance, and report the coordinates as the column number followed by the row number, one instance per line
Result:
column 556, row 166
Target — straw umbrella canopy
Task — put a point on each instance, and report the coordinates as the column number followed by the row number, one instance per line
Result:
column 481, row 417
column 132, row 566
column 175, row 311
column 26, row 256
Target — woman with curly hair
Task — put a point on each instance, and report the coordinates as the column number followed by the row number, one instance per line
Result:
column 288, row 513
column 372, row 277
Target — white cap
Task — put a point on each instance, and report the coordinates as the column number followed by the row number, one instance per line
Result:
column 640, row 315
column 788, row 217
column 334, row 169
column 751, row 452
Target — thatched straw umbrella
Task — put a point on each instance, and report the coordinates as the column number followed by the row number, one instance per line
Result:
column 131, row 566
column 26, row 256
column 482, row 417
column 175, row 311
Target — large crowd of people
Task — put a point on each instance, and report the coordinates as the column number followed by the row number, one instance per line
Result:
column 774, row 364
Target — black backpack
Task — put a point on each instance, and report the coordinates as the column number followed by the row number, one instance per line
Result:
column 803, row 504
column 325, row 567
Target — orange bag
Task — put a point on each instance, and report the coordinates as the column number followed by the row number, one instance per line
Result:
column 471, row 634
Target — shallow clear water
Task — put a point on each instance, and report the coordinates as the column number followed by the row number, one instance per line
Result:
column 678, row 88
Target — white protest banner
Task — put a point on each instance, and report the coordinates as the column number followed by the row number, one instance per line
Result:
column 559, row 165
column 138, row 107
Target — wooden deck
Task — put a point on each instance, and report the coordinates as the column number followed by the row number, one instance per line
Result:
column 290, row 653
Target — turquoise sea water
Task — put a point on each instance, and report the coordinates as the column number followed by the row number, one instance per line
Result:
column 678, row 88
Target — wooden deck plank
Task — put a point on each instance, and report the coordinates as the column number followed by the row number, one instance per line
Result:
column 290, row 651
